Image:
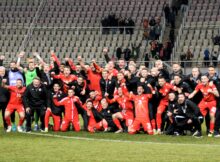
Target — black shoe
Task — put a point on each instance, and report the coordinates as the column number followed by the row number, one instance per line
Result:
column 197, row 134
column 216, row 134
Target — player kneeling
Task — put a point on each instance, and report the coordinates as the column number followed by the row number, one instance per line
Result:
column 126, row 112
column 71, row 112
column 54, row 111
column 96, row 121
column 15, row 104
column 141, row 112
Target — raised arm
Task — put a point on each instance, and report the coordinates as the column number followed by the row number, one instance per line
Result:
column 37, row 55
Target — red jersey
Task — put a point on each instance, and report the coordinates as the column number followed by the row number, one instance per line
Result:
column 66, row 80
column 123, row 101
column 16, row 95
column 141, row 105
column 69, row 105
column 165, row 90
column 94, row 78
column 207, row 96
column 96, row 103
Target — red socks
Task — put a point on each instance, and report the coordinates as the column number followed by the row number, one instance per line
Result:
column 8, row 120
column 117, row 123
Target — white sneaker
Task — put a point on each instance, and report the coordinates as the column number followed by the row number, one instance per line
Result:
column 9, row 129
column 46, row 130
column 155, row 131
column 159, row 132
column 19, row 129
column 119, row 131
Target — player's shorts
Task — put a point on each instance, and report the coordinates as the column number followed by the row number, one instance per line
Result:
column 128, row 116
column 205, row 106
column 93, row 125
column 11, row 108
column 162, row 106
column 145, row 124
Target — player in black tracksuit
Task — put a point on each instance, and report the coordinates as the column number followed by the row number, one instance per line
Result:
column 107, row 112
column 171, row 113
column 55, row 111
column 188, row 116
column 35, row 99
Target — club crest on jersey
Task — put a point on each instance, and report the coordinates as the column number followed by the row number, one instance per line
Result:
column 40, row 89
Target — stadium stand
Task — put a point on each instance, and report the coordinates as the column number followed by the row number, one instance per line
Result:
column 71, row 26
column 200, row 25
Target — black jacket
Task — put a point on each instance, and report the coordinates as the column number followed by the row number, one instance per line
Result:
column 108, row 86
column 188, row 109
column 36, row 97
column 132, row 83
column 46, row 80
column 97, row 115
column 4, row 93
column 78, row 89
column 57, row 110
column 185, row 87
column 172, row 106
column 107, row 114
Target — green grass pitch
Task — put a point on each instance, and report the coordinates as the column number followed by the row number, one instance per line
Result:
column 83, row 146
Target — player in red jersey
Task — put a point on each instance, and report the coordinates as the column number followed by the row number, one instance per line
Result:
column 95, row 118
column 67, row 79
column 141, row 112
column 96, row 98
column 208, row 101
column 93, row 75
column 15, row 104
column 163, row 91
column 71, row 112
column 127, row 109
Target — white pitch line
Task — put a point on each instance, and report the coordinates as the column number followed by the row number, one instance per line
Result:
column 120, row 141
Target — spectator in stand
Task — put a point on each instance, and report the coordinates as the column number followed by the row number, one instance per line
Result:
column 206, row 57
column 158, row 28
column 146, row 29
column 121, row 24
column 215, row 58
column 167, row 50
column 105, row 24
column 184, row 5
column 135, row 50
column 172, row 36
column 152, row 24
column 167, row 13
column 172, row 19
column 131, row 25
column 182, row 59
column 189, row 56
column 127, row 54
column 113, row 22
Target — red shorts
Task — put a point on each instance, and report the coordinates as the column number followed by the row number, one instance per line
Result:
column 66, row 122
column 56, row 120
column 93, row 125
column 204, row 106
column 162, row 106
column 11, row 108
column 128, row 116
column 145, row 124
